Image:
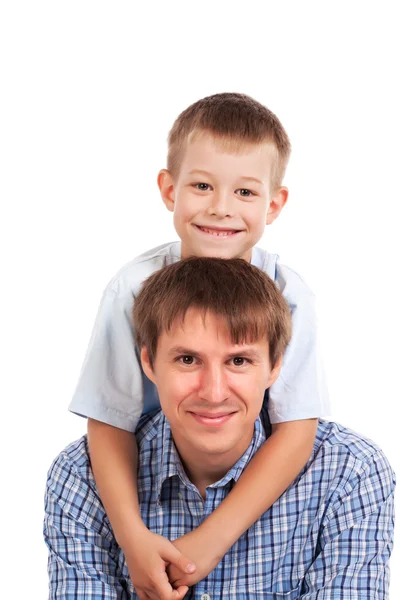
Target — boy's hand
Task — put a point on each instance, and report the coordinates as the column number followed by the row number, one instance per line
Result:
column 204, row 554
column 147, row 562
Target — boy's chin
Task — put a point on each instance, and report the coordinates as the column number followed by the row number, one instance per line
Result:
column 226, row 253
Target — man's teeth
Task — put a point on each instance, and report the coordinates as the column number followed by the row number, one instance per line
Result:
column 217, row 232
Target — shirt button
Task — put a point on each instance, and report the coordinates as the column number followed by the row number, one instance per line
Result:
column 205, row 597
column 180, row 496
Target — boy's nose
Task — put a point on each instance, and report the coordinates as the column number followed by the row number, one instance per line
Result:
column 221, row 206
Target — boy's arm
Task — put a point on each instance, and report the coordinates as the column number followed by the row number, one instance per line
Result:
column 273, row 468
column 113, row 456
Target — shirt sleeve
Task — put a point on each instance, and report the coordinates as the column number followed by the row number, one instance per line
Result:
column 84, row 560
column 300, row 392
column 356, row 539
column 111, row 384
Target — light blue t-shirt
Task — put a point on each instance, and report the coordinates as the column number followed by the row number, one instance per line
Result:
column 112, row 387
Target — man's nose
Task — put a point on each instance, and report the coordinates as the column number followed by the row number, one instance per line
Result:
column 214, row 384
column 221, row 205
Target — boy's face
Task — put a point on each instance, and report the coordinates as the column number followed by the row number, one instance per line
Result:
column 211, row 390
column 221, row 199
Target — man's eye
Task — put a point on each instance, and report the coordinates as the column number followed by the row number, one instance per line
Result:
column 203, row 187
column 186, row 360
column 245, row 193
column 239, row 361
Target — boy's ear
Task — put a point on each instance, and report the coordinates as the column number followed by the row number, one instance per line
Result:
column 278, row 201
column 147, row 368
column 166, row 187
column 273, row 376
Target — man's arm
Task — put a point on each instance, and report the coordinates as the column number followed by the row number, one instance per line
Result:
column 356, row 539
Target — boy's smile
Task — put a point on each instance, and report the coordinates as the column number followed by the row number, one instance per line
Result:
column 221, row 197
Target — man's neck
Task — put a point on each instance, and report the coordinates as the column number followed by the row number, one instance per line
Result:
column 204, row 469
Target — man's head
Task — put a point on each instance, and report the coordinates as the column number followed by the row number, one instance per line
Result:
column 227, row 156
column 212, row 333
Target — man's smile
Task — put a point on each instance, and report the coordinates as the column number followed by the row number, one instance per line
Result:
column 212, row 419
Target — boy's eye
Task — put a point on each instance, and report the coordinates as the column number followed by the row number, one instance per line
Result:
column 203, row 187
column 245, row 193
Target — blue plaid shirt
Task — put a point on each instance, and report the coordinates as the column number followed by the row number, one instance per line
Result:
column 329, row 535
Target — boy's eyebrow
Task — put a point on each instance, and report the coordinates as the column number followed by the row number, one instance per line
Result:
column 252, row 179
column 243, row 177
column 200, row 172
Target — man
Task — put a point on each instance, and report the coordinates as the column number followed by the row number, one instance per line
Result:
column 212, row 333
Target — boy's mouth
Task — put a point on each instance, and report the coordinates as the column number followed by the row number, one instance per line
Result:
column 217, row 231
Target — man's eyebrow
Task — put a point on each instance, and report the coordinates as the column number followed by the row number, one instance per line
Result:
column 245, row 353
column 242, row 177
column 182, row 350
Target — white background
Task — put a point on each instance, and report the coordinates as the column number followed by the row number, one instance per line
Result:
column 89, row 92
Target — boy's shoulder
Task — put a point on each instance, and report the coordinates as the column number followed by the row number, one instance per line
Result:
column 132, row 274
column 290, row 283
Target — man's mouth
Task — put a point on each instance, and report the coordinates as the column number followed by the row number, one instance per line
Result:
column 211, row 419
column 218, row 231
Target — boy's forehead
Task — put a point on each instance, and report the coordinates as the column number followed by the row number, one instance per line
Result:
column 207, row 152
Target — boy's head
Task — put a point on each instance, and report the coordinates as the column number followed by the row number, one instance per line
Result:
column 227, row 156
column 212, row 333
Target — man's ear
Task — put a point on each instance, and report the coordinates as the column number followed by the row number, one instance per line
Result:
column 278, row 201
column 166, row 187
column 273, row 376
column 146, row 365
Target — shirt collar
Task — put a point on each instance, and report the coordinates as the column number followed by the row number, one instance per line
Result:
column 171, row 464
column 258, row 256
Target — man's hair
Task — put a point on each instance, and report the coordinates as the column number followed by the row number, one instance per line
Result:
column 243, row 295
column 235, row 119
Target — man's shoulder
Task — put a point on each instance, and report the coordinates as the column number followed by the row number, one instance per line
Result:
column 349, row 455
column 133, row 273
column 149, row 426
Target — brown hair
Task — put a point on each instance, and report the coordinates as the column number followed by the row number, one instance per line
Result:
column 237, row 120
column 233, row 289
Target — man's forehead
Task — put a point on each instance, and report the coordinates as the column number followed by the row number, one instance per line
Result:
column 199, row 326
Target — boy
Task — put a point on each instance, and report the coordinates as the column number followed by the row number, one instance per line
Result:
column 227, row 155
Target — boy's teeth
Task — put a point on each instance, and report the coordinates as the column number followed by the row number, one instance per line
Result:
column 217, row 232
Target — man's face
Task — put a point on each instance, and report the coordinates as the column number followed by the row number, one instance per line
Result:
column 222, row 200
column 211, row 390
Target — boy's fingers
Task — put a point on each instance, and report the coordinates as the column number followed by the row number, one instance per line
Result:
column 162, row 588
column 179, row 560
column 181, row 592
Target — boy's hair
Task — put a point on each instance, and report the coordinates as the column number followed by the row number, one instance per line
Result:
column 235, row 119
column 243, row 295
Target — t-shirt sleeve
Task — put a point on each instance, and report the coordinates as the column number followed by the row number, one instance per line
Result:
column 111, row 384
column 300, row 392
